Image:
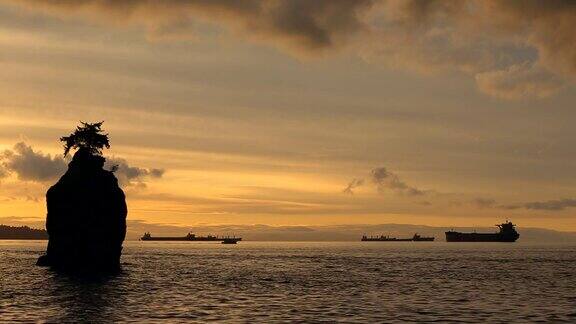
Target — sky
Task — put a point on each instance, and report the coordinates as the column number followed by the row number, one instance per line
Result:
column 298, row 113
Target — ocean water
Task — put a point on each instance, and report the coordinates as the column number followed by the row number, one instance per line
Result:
column 299, row 282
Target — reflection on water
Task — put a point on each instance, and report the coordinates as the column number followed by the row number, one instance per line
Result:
column 270, row 282
column 87, row 300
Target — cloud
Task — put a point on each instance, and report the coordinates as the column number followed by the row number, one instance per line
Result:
column 131, row 175
column 487, row 39
column 549, row 205
column 519, row 81
column 513, row 49
column 298, row 25
column 3, row 172
column 386, row 180
column 548, row 26
column 491, row 41
column 484, row 202
column 354, row 183
column 30, row 165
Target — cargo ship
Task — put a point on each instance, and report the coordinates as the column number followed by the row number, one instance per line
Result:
column 192, row 237
column 382, row 238
column 507, row 233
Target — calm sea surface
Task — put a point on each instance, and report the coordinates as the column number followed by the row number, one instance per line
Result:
column 302, row 282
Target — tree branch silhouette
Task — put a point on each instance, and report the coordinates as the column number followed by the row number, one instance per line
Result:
column 88, row 136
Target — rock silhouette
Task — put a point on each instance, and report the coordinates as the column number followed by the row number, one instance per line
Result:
column 86, row 220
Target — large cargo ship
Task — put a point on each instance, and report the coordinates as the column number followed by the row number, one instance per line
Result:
column 382, row 238
column 507, row 233
column 191, row 237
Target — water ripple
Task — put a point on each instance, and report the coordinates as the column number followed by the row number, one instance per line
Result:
column 302, row 282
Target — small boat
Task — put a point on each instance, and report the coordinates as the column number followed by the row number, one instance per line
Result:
column 417, row 237
column 382, row 238
column 231, row 240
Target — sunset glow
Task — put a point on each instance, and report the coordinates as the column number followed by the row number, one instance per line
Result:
column 231, row 117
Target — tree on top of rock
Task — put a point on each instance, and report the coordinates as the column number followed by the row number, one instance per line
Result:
column 89, row 137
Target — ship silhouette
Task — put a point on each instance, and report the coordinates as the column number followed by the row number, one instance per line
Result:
column 382, row 238
column 507, row 233
column 191, row 237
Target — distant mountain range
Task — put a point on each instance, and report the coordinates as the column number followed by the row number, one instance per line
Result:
column 336, row 232
column 260, row 232
column 22, row 233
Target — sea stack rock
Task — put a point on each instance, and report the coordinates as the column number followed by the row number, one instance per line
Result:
column 86, row 220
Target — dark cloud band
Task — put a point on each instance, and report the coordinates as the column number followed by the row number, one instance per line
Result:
column 513, row 49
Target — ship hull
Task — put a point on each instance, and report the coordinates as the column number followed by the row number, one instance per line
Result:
column 387, row 240
column 424, row 239
column 225, row 240
column 479, row 237
column 179, row 239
